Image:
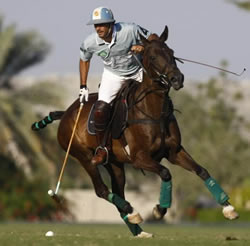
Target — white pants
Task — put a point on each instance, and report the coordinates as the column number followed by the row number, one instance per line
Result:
column 111, row 83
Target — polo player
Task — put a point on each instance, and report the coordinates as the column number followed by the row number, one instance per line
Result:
column 112, row 42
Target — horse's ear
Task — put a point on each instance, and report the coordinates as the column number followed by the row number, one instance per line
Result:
column 144, row 40
column 164, row 35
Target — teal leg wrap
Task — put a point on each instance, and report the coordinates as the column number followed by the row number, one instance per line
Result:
column 49, row 118
column 117, row 201
column 166, row 194
column 110, row 197
column 134, row 228
column 120, row 203
column 37, row 126
column 218, row 193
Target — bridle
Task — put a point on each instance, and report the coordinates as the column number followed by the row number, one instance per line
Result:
column 162, row 78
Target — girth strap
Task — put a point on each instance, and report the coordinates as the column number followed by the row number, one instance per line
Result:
column 167, row 111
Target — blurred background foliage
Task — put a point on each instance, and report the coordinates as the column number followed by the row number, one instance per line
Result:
column 19, row 51
column 212, row 131
column 243, row 4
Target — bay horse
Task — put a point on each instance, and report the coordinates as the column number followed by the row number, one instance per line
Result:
column 151, row 134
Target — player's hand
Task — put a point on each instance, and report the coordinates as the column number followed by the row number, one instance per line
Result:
column 137, row 49
column 83, row 94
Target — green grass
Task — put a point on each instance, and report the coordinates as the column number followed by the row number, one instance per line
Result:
column 12, row 234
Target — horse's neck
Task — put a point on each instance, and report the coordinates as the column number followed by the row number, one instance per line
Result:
column 153, row 97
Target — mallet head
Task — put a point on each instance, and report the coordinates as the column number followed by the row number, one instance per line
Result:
column 54, row 196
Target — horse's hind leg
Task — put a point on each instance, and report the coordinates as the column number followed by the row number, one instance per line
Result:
column 183, row 159
column 118, row 180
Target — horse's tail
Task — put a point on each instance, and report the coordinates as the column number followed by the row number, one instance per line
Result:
column 38, row 125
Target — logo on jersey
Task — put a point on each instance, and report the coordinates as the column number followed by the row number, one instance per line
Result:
column 103, row 54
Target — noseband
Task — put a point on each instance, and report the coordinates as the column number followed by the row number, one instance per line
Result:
column 162, row 78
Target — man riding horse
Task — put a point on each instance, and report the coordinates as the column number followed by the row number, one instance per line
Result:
column 152, row 132
column 113, row 42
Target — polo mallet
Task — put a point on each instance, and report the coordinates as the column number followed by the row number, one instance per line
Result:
column 51, row 192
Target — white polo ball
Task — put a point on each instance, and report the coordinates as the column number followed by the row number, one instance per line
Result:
column 49, row 234
column 50, row 192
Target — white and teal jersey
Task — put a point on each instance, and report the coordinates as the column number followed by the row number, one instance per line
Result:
column 115, row 55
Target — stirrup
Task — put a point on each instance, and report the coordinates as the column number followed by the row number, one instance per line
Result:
column 105, row 149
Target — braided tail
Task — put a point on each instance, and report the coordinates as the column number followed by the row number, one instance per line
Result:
column 56, row 115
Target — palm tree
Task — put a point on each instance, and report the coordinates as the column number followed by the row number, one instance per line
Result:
column 18, row 144
column 19, row 51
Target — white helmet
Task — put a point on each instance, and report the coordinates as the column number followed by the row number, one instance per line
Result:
column 101, row 15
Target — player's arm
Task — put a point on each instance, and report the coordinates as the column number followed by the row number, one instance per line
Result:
column 84, row 70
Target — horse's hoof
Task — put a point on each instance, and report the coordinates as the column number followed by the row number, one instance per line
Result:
column 144, row 234
column 230, row 213
column 135, row 218
column 159, row 212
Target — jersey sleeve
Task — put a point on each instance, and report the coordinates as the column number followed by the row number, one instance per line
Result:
column 85, row 54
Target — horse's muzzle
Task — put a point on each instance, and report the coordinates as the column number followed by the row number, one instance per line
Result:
column 177, row 81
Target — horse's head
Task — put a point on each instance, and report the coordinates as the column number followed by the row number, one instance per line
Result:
column 159, row 61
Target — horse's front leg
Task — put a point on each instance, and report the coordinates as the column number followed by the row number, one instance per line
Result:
column 117, row 197
column 117, row 174
column 178, row 155
column 184, row 160
column 142, row 160
column 102, row 190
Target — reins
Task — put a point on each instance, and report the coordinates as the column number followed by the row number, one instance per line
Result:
column 163, row 77
column 163, row 82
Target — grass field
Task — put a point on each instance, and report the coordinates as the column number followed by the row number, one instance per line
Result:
column 13, row 234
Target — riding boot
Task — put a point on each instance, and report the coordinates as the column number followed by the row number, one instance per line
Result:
column 101, row 152
column 101, row 120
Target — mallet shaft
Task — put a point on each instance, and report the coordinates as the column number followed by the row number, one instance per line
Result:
column 68, row 149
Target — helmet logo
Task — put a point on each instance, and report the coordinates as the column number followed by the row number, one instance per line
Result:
column 96, row 13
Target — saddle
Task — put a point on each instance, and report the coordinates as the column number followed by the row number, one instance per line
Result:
column 119, row 111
